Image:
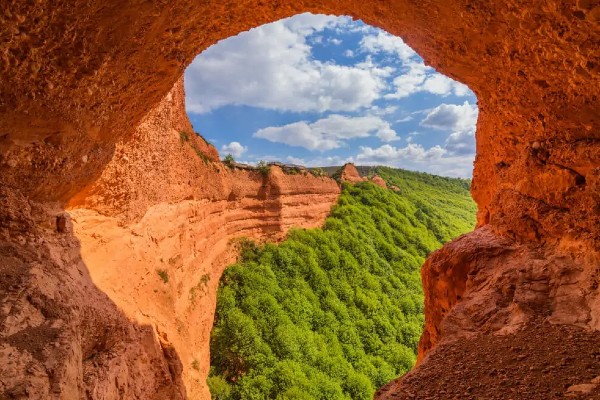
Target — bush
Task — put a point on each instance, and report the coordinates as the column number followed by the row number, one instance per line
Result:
column 219, row 388
column 202, row 156
column 317, row 172
column 263, row 168
column 201, row 287
column 229, row 160
column 163, row 274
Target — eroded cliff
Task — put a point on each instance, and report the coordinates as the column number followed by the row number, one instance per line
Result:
column 83, row 79
column 148, row 241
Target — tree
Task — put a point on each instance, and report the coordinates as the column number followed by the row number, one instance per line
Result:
column 229, row 160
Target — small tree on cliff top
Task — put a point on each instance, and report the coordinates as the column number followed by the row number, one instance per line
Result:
column 229, row 160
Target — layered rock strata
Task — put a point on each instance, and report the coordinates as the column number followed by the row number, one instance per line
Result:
column 118, row 299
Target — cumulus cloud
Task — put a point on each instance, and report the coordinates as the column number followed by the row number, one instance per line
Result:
column 452, row 117
column 233, row 148
column 416, row 77
column 272, row 67
column 383, row 42
column 461, row 143
column 388, row 153
column 328, row 133
column 454, row 158
column 320, row 161
column 383, row 110
column 436, row 159
column 413, row 76
column 461, row 120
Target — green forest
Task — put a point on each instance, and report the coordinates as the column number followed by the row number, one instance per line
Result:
column 335, row 313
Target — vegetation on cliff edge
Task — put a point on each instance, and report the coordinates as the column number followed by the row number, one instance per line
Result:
column 334, row 313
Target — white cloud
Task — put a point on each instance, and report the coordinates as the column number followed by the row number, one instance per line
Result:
column 317, row 39
column 387, row 153
column 452, row 117
column 435, row 160
column 383, row 110
column 233, row 148
column 272, row 67
column 383, row 42
column 414, row 75
column 461, row 120
column 349, row 53
column 320, row 161
column 461, row 143
column 328, row 133
column 405, row 119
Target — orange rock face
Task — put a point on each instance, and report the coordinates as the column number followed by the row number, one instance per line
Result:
column 134, row 271
column 350, row 174
column 87, row 126
column 376, row 179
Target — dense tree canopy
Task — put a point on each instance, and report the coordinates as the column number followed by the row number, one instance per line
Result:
column 334, row 313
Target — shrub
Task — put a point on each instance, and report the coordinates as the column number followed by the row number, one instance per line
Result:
column 202, row 287
column 183, row 137
column 317, row 172
column 219, row 388
column 263, row 168
column 164, row 275
column 200, row 154
column 229, row 160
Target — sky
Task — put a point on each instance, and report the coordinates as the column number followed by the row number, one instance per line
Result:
column 321, row 90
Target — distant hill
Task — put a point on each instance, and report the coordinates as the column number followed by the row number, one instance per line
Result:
column 369, row 170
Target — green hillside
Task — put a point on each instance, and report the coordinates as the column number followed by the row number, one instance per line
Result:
column 334, row 313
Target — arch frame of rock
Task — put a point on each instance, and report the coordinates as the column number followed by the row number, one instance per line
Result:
column 93, row 88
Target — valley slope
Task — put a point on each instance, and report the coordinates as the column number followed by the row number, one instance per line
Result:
column 335, row 313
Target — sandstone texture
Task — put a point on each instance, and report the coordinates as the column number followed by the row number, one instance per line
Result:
column 350, row 174
column 113, row 296
column 99, row 189
column 376, row 179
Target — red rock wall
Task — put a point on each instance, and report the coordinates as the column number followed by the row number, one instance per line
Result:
column 83, row 77
column 157, row 206
column 350, row 174
column 160, row 206
column 376, row 179
column 533, row 66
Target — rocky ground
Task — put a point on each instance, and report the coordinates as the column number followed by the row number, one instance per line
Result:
column 540, row 362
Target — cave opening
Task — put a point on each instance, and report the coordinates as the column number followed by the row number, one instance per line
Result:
column 322, row 91
column 91, row 125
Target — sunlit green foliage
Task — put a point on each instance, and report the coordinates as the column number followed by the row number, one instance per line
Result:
column 334, row 313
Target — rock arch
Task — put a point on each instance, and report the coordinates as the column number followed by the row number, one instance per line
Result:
column 79, row 78
column 82, row 75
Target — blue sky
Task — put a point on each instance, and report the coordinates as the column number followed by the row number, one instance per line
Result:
column 323, row 90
